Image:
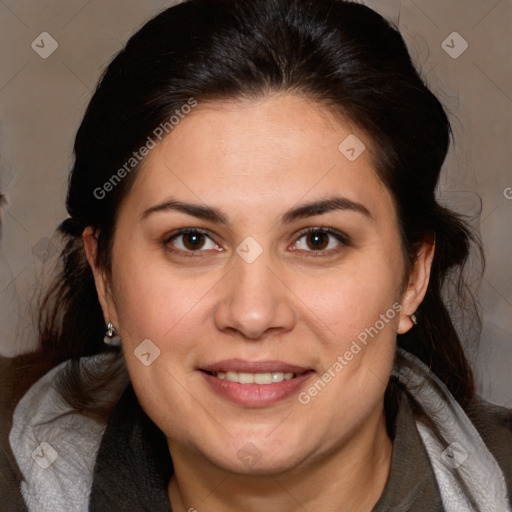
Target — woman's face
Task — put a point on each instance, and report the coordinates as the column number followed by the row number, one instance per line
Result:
column 248, row 294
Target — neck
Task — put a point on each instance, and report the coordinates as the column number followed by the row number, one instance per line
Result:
column 353, row 474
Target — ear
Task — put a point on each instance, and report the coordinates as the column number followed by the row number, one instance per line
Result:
column 103, row 288
column 418, row 283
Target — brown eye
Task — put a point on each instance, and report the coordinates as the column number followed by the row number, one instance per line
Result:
column 193, row 241
column 317, row 240
column 321, row 240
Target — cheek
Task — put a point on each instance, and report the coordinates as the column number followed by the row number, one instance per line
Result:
column 154, row 304
column 353, row 297
column 152, row 301
column 358, row 311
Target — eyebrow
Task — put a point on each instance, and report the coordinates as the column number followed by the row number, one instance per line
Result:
column 214, row 215
column 195, row 210
column 324, row 206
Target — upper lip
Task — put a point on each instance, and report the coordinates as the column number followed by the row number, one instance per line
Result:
column 239, row 365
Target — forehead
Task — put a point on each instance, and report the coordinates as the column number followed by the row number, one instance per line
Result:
column 279, row 126
column 256, row 151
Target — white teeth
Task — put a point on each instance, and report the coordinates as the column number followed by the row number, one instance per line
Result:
column 232, row 376
column 245, row 378
column 279, row 376
column 254, row 378
column 263, row 378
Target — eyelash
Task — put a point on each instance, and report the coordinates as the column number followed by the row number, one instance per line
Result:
column 340, row 237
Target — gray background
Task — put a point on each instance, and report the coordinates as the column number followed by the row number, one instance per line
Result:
column 42, row 102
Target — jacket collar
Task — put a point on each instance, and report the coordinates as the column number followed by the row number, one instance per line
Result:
column 133, row 465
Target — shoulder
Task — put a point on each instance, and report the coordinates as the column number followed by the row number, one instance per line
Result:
column 501, row 416
column 54, row 445
column 17, row 374
column 10, row 476
column 469, row 447
column 494, row 424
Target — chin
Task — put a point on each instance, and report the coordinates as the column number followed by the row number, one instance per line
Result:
column 261, row 454
column 253, row 461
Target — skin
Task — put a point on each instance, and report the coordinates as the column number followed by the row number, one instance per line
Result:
column 254, row 161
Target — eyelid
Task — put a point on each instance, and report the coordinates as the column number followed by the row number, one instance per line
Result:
column 183, row 231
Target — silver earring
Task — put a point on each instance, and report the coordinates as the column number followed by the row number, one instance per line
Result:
column 414, row 319
column 111, row 338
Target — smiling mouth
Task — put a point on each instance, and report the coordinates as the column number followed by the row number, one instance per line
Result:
column 255, row 383
column 263, row 378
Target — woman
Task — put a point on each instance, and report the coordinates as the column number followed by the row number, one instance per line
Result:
column 250, row 314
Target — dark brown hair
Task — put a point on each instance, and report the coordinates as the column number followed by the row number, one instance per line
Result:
column 340, row 54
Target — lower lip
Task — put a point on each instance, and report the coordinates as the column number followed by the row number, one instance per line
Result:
column 256, row 395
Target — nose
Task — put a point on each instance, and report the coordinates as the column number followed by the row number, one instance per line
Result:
column 255, row 301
